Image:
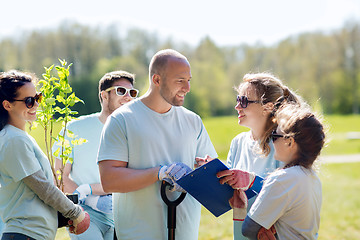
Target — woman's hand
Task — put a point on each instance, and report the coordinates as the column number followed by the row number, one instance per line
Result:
column 202, row 161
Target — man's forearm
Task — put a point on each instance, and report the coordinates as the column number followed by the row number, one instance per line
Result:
column 116, row 177
column 97, row 189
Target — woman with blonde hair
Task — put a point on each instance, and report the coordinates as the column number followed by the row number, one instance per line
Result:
column 259, row 96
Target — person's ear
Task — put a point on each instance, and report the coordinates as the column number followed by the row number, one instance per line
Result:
column 268, row 107
column 104, row 95
column 156, row 79
column 291, row 142
column 7, row 105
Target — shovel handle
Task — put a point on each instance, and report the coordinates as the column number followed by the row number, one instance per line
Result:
column 171, row 223
column 174, row 203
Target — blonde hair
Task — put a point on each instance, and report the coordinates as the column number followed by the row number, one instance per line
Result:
column 269, row 89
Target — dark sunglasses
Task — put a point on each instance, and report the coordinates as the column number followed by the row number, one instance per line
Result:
column 30, row 101
column 275, row 136
column 121, row 91
column 244, row 101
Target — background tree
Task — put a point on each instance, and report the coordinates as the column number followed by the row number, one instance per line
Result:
column 322, row 67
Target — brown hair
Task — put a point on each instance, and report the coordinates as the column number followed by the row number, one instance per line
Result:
column 307, row 131
column 109, row 78
column 10, row 82
column 269, row 88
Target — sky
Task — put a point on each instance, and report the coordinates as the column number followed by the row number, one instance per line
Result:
column 226, row 22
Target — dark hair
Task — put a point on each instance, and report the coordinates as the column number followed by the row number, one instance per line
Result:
column 269, row 88
column 10, row 82
column 307, row 131
column 109, row 78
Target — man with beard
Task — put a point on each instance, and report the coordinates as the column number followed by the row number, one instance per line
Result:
column 148, row 140
column 82, row 175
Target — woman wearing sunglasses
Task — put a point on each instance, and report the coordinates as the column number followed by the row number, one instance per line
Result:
column 252, row 151
column 29, row 200
column 291, row 196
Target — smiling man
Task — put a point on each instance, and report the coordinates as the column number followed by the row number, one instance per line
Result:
column 82, row 175
column 144, row 142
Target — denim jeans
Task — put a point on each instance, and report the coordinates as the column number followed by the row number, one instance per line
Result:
column 15, row 236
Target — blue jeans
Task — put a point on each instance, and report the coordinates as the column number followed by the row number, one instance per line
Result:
column 15, row 236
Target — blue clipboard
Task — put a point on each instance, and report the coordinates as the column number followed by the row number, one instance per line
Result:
column 205, row 187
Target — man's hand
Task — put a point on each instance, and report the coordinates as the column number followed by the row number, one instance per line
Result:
column 83, row 191
column 237, row 179
column 79, row 224
column 173, row 173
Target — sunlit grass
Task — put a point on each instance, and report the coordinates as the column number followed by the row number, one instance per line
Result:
column 340, row 213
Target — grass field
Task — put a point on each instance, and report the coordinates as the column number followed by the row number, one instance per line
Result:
column 340, row 214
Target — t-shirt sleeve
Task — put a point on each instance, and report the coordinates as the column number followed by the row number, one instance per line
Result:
column 231, row 154
column 271, row 203
column 19, row 158
column 113, row 141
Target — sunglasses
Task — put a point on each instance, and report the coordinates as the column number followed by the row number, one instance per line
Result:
column 30, row 101
column 244, row 101
column 275, row 136
column 121, row 91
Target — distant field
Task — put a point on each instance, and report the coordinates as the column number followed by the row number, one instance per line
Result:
column 341, row 208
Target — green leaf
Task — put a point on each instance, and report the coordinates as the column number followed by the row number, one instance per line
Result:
column 50, row 100
column 56, row 153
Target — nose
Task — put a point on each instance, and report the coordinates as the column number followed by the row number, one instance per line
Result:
column 186, row 87
column 127, row 96
column 238, row 106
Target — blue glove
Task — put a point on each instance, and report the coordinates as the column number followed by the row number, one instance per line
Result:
column 83, row 191
column 100, row 203
column 173, row 173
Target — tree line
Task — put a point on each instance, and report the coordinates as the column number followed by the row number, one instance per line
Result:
column 324, row 68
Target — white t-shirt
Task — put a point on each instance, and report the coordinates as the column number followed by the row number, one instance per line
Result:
column 144, row 138
column 84, row 169
column 20, row 208
column 244, row 154
column 290, row 199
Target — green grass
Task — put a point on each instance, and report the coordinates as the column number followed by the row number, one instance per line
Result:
column 339, row 128
column 341, row 182
column 340, row 212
